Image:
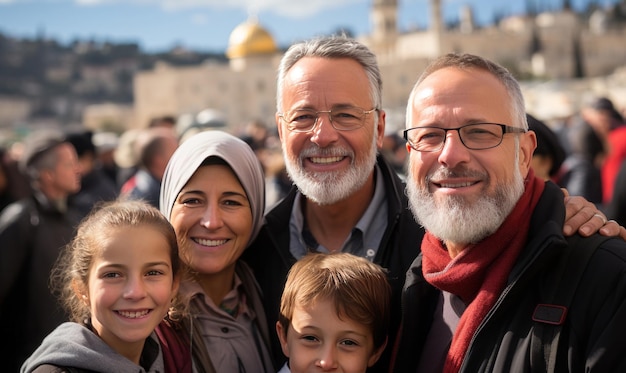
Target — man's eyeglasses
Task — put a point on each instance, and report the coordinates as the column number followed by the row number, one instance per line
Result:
column 475, row 136
column 346, row 118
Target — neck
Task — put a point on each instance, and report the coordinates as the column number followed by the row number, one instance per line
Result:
column 454, row 249
column 217, row 285
column 332, row 224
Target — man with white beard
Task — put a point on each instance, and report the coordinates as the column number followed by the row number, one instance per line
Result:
column 346, row 196
column 473, row 297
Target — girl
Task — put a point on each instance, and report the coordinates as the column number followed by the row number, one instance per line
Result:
column 117, row 279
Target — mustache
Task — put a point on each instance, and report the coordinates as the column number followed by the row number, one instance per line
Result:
column 459, row 171
column 316, row 151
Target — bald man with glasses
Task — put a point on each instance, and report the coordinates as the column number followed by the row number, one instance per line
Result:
column 487, row 293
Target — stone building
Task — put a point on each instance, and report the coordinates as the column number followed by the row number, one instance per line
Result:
column 558, row 46
column 241, row 90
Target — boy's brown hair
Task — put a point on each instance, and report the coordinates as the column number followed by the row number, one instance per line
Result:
column 358, row 288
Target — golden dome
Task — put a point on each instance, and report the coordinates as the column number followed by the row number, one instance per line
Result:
column 249, row 38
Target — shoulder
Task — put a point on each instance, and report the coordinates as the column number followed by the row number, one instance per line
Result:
column 604, row 276
column 612, row 252
column 281, row 211
column 16, row 211
column 49, row 368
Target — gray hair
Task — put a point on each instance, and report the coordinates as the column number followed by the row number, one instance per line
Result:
column 467, row 61
column 47, row 160
column 332, row 47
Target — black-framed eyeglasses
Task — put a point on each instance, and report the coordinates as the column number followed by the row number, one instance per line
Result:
column 475, row 136
column 343, row 118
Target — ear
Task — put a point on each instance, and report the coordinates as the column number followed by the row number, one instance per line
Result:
column 45, row 175
column 282, row 336
column 376, row 355
column 528, row 143
column 279, row 126
column 176, row 284
column 81, row 292
column 381, row 127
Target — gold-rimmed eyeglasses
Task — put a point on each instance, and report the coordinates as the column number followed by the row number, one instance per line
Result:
column 475, row 136
column 343, row 118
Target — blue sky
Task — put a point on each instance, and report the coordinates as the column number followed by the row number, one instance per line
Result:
column 158, row 25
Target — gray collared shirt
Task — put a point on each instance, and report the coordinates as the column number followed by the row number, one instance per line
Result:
column 365, row 237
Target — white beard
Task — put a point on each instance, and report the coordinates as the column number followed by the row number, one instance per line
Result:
column 326, row 188
column 456, row 220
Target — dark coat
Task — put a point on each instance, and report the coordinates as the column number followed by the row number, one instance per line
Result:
column 95, row 187
column 32, row 234
column 593, row 333
column 270, row 258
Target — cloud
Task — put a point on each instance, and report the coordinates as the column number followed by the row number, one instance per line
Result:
column 285, row 8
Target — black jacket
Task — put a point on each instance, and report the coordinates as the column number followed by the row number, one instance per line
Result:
column 32, row 233
column 270, row 258
column 594, row 330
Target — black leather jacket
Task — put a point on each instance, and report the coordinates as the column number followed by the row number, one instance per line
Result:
column 593, row 332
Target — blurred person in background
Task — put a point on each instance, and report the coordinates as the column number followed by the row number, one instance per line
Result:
column 266, row 146
column 549, row 154
column 609, row 124
column 154, row 147
column 106, row 143
column 5, row 193
column 166, row 121
column 13, row 183
column 125, row 156
column 95, row 186
column 16, row 184
column 33, row 231
column 394, row 151
column 616, row 209
column 581, row 170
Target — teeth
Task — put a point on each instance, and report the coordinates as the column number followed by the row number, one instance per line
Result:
column 133, row 314
column 210, row 242
column 325, row 159
column 455, row 185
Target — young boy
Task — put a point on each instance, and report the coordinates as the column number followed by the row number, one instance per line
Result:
column 334, row 314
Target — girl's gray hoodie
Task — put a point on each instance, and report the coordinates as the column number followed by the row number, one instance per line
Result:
column 73, row 345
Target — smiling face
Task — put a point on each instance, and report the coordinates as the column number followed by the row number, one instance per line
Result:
column 329, row 165
column 130, row 286
column 213, row 220
column 458, row 194
column 319, row 341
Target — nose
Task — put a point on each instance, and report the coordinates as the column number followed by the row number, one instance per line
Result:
column 212, row 218
column 453, row 151
column 135, row 287
column 323, row 133
column 328, row 360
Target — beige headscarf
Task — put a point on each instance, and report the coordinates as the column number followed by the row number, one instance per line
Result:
column 234, row 151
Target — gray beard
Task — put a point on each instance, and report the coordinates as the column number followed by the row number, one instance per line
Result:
column 455, row 219
column 326, row 188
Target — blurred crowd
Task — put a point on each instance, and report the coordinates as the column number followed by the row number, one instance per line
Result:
column 583, row 153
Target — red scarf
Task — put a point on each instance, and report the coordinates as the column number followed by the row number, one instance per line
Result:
column 479, row 273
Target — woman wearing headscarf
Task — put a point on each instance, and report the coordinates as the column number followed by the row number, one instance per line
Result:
column 213, row 193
